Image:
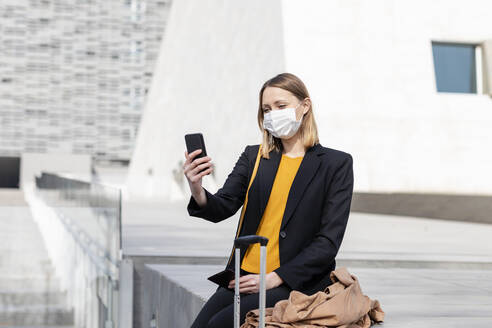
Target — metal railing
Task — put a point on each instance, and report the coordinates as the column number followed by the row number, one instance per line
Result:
column 82, row 228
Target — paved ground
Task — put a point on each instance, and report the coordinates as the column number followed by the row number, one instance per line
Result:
column 167, row 230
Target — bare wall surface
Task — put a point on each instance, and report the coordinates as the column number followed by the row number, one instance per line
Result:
column 214, row 58
column 370, row 71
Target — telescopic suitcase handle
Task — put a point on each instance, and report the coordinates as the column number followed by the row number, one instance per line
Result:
column 251, row 239
column 248, row 240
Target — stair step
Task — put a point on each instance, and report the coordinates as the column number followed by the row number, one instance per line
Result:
column 25, row 263
column 7, row 231
column 20, row 227
column 36, row 315
column 27, row 256
column 12, row 258
column 30, row 284
column 8, row 299
column 27, row 270
column 38, row 326
column 34, row 308
column 12, row 245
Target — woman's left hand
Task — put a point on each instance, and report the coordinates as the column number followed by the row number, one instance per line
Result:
column 250, row 283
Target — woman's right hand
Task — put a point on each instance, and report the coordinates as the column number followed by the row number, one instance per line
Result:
column 192, row 168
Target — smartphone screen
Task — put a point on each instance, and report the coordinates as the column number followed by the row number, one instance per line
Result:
column 195, row 141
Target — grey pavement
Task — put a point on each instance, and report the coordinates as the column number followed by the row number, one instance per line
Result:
column 166, row 229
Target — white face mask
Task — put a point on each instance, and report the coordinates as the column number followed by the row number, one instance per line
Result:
column 282, row 123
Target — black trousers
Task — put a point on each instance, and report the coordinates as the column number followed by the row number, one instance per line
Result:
column 218, row 312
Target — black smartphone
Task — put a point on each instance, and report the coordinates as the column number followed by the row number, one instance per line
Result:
column 195, row 141
column 223, row 278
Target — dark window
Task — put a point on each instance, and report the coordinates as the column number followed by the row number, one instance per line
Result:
column 9, row 172
column 455, row 67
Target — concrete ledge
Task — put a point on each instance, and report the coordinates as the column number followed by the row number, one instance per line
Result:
column 349, row 259
column 423, row 298
column 173, row 289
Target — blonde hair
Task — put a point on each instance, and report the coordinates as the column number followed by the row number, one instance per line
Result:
column 308, row 128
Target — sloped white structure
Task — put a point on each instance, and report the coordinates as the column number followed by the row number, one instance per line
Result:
column 368, row 66
column 214, row 58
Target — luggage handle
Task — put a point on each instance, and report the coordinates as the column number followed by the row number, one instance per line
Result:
column 251, row 239
column 248, row 240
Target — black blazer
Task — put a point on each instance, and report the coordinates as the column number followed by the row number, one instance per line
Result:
column 315, row 216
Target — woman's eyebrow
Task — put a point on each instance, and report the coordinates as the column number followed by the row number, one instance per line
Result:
column 276, row 102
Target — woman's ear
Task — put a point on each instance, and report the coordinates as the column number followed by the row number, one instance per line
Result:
column 306, row 105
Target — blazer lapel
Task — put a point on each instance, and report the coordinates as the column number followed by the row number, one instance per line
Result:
column 306, row 172
column 267, row 171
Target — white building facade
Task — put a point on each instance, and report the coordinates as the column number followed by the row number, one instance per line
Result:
column 371, row 68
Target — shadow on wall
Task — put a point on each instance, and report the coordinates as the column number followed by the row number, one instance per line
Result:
column 469, row 208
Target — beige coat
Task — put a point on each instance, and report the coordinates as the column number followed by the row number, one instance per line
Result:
column 341, row 304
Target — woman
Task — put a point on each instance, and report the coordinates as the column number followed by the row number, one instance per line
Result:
column 300, row 199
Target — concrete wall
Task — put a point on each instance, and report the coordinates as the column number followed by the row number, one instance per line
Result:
column 166, row 302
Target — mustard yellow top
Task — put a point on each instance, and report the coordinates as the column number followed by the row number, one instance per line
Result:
column 272, row 217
